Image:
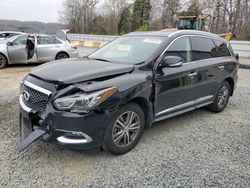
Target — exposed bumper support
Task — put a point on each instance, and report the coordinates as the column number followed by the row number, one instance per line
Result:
column 30, row 139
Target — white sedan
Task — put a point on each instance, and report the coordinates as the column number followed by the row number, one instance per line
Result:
column 24, row 49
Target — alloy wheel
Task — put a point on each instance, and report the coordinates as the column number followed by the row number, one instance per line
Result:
column 126, row 128
column 223, row 97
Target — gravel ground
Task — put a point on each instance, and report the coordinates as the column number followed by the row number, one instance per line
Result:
column 197, row 149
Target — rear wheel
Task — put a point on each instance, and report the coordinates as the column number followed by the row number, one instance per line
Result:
column 221, row 99
column 62, row 55
column 124, row 130
column 3, row 61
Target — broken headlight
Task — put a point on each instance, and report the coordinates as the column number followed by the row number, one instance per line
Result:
column 80, row 102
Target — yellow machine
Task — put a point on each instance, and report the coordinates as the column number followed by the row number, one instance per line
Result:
column 195, row 23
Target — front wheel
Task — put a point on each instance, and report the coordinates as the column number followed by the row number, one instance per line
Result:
column 3, row 61
column 124, row 130
column 221, row 98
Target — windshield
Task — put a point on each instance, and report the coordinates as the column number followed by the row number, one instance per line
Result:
column 129, row 49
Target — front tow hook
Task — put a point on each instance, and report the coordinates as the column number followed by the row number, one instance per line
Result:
column 37, row 133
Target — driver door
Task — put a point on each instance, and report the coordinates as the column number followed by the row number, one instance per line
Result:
column 176, row 87
column 17, row 50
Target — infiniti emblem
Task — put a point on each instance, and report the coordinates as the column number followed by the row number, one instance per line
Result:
column 26, row 96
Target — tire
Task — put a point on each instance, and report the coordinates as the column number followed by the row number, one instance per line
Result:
column 122, row 136
column 62, row 55
column 3, row 61
column 221, row 98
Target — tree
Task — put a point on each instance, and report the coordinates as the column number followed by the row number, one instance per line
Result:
column 78, row 15
column 194, row 9
column 112, row 11
column 141, row 14
column 169, row 15
column 124, row 25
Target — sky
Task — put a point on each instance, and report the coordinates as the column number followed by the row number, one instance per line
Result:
column 30, row 10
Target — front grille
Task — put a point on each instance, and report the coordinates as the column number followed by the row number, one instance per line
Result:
column 37, row 100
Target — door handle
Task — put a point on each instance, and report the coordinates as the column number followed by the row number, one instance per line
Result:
column 193, row 74
column 221, row 67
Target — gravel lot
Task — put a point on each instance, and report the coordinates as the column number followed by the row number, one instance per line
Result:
column 197, row 149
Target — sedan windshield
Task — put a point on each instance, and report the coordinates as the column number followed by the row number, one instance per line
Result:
column 129, row 49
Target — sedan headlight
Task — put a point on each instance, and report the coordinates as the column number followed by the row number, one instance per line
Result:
column 83, row 101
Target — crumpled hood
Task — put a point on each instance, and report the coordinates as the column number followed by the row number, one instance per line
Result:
column 78, row 70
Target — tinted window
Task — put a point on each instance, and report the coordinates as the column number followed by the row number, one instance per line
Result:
column 181, row 48
column 22, row 40
column 221, row 49
column 45, row 40
column 203, row 48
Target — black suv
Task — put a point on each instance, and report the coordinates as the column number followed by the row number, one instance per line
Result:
column 107, row 99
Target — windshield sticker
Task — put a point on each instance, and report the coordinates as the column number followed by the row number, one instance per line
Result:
column 123, row 47
column 152, row 41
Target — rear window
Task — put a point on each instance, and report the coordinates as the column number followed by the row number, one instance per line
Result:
column 222, row 49
column 203, row 48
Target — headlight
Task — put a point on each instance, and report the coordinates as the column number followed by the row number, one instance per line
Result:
column 83, row 101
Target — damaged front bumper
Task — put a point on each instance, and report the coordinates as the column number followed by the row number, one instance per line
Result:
column 68, row 130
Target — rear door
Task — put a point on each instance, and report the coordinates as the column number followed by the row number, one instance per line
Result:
column 176, row 87
column 17, row 51
column 47, row 48
column 209, row 68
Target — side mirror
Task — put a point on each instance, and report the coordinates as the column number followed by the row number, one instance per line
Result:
column 9, row 44
column 172, row 61
column 237, row 57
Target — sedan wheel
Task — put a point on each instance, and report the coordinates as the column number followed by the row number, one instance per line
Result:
column 3, row 61
column 62, row 55
column 124, row 130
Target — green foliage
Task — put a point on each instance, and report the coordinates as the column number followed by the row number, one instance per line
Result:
column 143, row 28
column 124, row 25
column 141, row 14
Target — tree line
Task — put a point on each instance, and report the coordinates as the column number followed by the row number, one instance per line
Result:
column 124, row 16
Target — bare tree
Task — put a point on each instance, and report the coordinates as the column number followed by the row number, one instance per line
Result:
column 169, row 14
column 222, row 16
column 78, row 15
column 112, row 11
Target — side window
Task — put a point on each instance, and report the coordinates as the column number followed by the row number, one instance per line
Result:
column 181, row 48
column 45, row 40
column 4, row 35
column 221, row 49
column 57, row 41
column 203, row 48
column 22, row 40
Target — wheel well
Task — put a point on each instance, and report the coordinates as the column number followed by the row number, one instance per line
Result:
column 146, row 109
column 231, row 83
column 62, row 52
column 5, row 57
